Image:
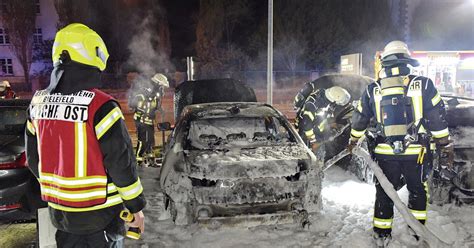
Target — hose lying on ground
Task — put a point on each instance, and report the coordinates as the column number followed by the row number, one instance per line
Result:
column 420, row 230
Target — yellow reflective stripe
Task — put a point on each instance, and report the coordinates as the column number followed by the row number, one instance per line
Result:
column 80, row 152
column 74, row 185
column 73, row 182
column 386, row 149
column 395, row 71
column 74, row 196
column 356, row 133
column 359, row 106
column 422, row 129
column 436, row 99
column 377, row 100
column 139, row 147
column 104, row 125
column 417, row 108
column 72, row 192
column 321, row 125
column 35, row 124
column 111, row 201
column 393, row 91
column 309, row 114
column 131, row 191
column 30, row 127
column 440, row 134
column 111, row 188
column 310, row 134
column 45, row 174
column 383, row 223
column 419, row 214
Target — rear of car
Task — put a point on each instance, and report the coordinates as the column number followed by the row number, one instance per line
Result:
column 19, row 189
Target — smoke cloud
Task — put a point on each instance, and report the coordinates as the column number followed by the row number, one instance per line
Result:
column 147, row 52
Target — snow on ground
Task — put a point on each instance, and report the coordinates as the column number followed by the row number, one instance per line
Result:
column 345, row 221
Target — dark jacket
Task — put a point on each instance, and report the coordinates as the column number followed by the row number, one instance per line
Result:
column 312, row 118
column 424, row 113
column 115, row 145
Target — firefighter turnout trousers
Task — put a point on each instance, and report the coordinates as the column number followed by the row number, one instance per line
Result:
column 146, row 139
column 111, row 237
column 412, row 172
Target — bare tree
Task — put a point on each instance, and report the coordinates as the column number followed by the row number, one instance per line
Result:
column 70, row 11
column 291, row 33
column 209, row 33
column 19, row 19
column 216, row 37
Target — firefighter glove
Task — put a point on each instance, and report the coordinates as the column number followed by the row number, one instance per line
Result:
column 352, row 144
column 446, row 155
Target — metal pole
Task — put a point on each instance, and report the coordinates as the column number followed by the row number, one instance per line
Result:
column 190, row 68
column 270, row 54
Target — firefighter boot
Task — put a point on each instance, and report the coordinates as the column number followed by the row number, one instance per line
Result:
column 382, row 240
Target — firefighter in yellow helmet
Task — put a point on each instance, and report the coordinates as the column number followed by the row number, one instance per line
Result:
column 408, row 112
column 315, row 109
column 78, row 146
column 145, row 102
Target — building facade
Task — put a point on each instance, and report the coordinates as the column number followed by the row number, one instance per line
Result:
column 46, row 27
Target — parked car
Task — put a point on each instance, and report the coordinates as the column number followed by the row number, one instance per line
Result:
column 229, row 162
column 19, row 189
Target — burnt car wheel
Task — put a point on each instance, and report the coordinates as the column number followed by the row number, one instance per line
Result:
column 179, row 212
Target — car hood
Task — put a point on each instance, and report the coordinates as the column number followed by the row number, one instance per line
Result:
column 276, row 161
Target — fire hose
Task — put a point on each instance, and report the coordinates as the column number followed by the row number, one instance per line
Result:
column 420, row 230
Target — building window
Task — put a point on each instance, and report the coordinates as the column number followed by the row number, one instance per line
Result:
column 4, row 39
column 38, row 36
column 38, row 7
column 7, row 66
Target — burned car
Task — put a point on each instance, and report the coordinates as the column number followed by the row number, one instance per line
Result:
column 238, row 161
column 19, row 189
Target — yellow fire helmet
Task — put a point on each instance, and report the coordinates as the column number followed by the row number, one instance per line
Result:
column 338, row 95
column 83, row 44
column 161, row 80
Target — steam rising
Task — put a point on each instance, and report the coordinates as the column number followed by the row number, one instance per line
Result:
column 146, row 55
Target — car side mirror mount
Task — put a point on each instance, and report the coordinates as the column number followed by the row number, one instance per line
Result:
column 164, row 126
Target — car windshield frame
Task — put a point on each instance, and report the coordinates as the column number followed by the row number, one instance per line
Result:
column 237, row 140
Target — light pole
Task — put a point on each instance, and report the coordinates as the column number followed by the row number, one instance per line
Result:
column 270, row 54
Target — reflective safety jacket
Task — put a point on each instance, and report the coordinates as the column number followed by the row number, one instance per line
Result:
column 313, row 117
column 74, row 174
column 401, row 105
column 145, row 106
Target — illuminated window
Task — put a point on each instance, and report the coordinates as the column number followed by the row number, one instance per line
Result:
column 4, row 39
column 38, row 36
column 7, row 66
column 38, row 6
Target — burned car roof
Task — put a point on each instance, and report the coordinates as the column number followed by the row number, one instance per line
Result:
column 223, row 109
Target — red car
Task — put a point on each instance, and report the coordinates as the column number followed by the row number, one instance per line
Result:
column 19, row 189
